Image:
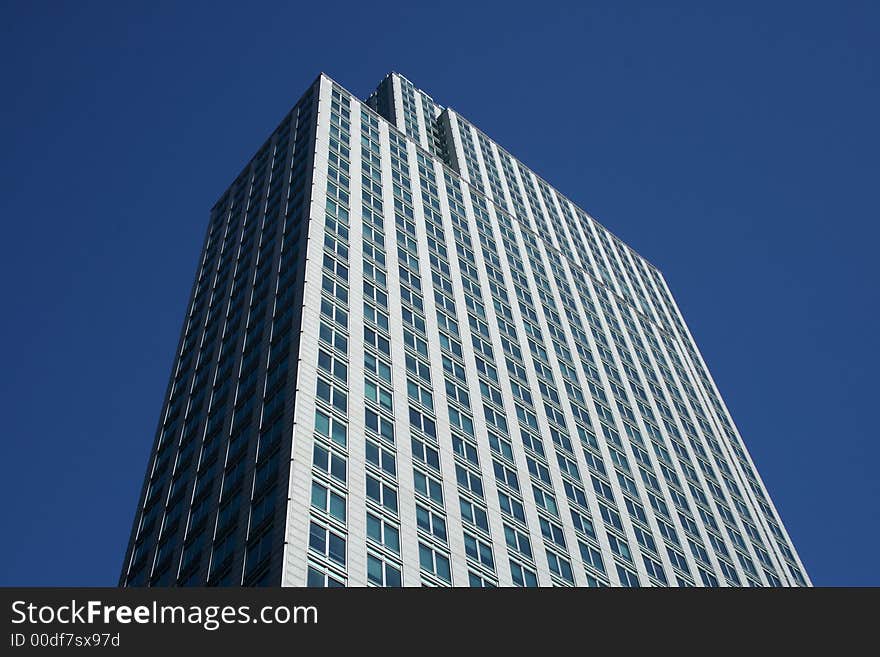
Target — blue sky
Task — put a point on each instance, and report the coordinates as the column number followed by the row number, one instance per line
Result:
column 736, row 147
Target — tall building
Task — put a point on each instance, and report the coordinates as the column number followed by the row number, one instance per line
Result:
column 409, row 360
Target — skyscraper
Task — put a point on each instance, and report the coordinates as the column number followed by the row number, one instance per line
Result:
column 408, row 360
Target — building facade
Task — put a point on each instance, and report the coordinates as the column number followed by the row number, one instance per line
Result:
column 408, row 360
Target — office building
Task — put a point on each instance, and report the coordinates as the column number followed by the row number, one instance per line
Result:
column 409, row 360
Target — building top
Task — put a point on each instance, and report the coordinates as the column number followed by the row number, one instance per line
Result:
column 400, row 123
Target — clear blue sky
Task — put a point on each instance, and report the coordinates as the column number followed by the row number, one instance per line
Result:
column 735, row 147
